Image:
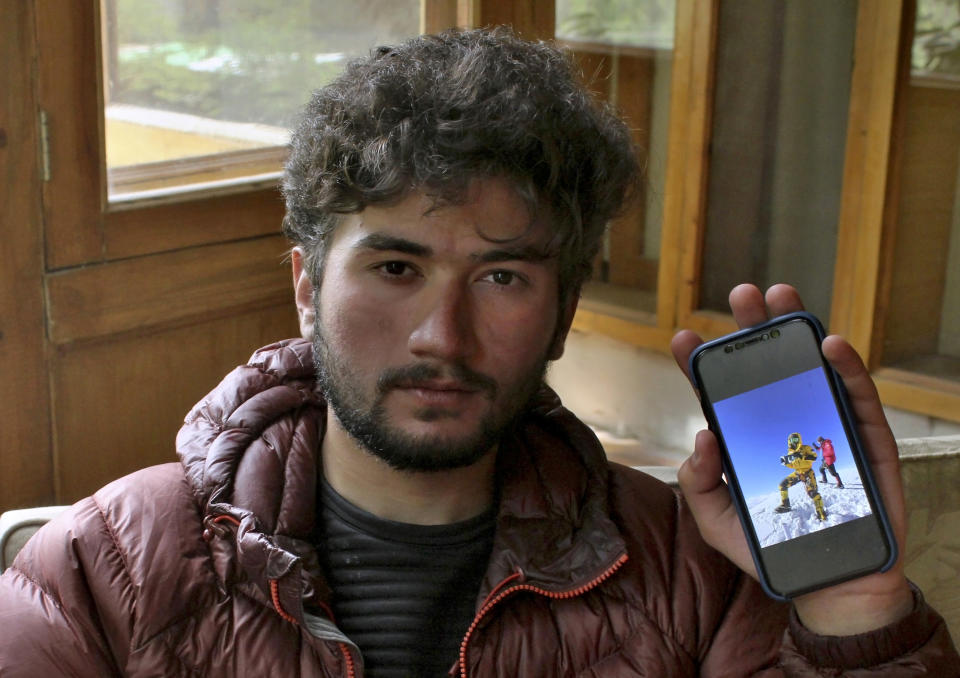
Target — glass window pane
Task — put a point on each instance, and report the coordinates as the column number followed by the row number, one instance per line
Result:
column 922, row 324
column 204, row 90
column 782, row 91
column 625, row 50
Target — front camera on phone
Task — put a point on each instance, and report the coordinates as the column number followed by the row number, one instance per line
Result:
column 774, row 333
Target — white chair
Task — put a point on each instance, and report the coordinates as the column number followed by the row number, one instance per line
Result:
column 17, row 526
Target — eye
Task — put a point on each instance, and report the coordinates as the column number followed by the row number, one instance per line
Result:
column 503, row 278
column 395, row 269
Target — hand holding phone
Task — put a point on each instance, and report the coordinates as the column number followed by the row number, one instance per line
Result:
column 857, row 605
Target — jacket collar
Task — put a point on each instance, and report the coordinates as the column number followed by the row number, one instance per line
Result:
column 553, row 523
column 249, row 450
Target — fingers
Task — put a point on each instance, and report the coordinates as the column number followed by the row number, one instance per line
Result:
column 860, row 387
column 751, row 307
column 782, row 299
column 747, row 304
column 701, row 473
column 875, row 434
column 682, row 345
column 709, row 500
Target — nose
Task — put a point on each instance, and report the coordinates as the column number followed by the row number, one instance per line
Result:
column 444, row 329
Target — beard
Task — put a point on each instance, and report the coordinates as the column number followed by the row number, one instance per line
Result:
column 365, row 418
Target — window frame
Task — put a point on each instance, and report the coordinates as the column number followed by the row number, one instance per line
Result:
column 867, row 209
column 83, row 228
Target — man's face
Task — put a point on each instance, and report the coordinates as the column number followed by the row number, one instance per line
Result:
column 434, row 326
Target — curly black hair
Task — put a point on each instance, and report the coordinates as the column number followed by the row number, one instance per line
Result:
column 439, row 110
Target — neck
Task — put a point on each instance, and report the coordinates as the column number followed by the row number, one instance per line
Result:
column 416, row 497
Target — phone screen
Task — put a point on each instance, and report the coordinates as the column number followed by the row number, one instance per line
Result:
column 796, row 468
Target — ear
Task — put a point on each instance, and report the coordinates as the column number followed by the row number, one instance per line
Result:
column 563, row 325
column 302, row 292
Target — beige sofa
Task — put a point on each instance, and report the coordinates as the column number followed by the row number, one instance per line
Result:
column 931, row 472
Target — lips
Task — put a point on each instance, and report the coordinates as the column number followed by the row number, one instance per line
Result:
column 436, row 385
column 439, row 394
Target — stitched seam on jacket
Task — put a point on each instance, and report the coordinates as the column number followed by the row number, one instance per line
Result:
column 66, row 618
column 220, row 588
column 182, row 619
column 123, row 559
column 116, row 545
column 53, row 599
column 171, row 650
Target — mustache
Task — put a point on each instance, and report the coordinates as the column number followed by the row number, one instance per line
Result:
column 411, row 375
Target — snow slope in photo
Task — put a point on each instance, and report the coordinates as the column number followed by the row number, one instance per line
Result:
column 841, row 505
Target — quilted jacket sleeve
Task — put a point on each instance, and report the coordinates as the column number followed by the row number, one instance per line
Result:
column 918, row 645
column 49, row 624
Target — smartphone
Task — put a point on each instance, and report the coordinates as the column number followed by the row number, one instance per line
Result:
column 791, row 457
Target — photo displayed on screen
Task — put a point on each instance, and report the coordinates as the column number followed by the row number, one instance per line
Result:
column 791, row 457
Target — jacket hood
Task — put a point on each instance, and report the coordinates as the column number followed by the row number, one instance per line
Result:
column 250, row 451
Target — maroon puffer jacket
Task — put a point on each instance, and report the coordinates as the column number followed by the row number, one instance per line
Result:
column 204, row 568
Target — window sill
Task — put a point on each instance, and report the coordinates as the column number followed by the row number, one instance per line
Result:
column 920, row 393
column 184, row 179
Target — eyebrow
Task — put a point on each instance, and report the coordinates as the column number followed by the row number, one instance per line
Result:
column 532, row 253
column 388, row 243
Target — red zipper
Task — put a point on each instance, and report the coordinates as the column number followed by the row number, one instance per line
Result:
column 494, row 597
column 349, row 659
column 274, row 584
column 275, row 599
column 224, row 516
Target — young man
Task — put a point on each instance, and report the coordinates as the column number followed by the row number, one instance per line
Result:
column 398, row 494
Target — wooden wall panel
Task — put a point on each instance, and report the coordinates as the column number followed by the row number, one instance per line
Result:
column 171, row 226
column 119, row 403
column 164, row 289
column 25, row 462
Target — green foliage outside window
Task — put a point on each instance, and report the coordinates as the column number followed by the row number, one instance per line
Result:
column 936, row 44
column 639, row 23
column 246, row 90
column 241, row 60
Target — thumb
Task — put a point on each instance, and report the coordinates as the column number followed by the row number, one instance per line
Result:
column 708, row 497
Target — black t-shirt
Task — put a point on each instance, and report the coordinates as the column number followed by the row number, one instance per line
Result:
column 405, row 594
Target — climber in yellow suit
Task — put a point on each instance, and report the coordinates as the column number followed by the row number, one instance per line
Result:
column 800, row 458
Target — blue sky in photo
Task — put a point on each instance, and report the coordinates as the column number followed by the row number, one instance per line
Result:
column 756, row 425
